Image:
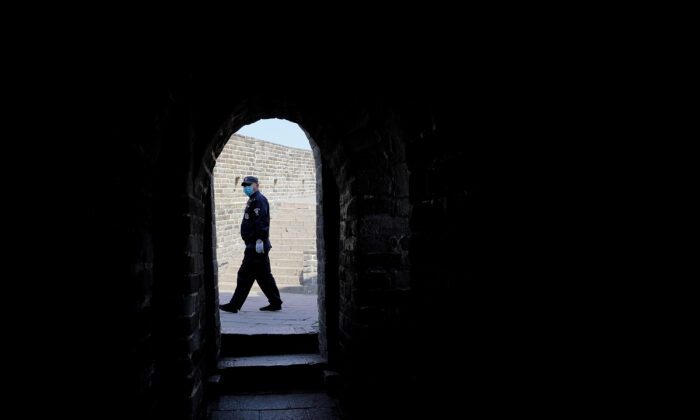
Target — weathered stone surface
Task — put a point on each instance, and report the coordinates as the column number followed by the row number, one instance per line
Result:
column 275, row 401
column 404, row 227
column 271, row 360
column 236, row 415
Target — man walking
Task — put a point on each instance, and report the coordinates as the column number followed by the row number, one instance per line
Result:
column 255, row 231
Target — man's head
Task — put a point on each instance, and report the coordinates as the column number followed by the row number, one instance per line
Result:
column 252, row 183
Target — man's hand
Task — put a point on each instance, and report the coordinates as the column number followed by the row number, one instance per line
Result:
column 259, row 246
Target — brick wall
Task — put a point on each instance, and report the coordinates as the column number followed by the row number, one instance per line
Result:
column 397, row 292
column 284, row 172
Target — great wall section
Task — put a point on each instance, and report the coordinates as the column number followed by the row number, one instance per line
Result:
column 288, row 180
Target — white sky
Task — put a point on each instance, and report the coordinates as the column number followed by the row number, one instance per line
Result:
column 277, row 131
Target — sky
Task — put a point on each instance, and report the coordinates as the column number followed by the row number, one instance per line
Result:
column 277, row 131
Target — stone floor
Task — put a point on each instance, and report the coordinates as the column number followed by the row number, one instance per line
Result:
column 299, row 315
column 311, row 406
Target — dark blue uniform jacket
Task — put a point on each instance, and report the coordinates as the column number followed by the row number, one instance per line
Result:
column 256, row 221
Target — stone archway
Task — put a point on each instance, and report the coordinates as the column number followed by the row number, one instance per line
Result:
column 363, row 234
column 164, row 292
column 327, row 294
column 327, row 220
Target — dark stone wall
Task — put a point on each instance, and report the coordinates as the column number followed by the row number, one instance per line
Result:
column 408, row 306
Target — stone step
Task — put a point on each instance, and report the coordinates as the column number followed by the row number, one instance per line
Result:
column 303, row 206
column 295, row 263
column 294, row 404
column 288, row 221
column 291, row 248
column 273, row 372
column 229, row 284
column 274, row 239
column 283, row 287
column 296, row 210
column 294, row 206
column 307, row 201
column 301, row 231
column 277, row 255
column 296, row 222
column 283, row 236
column 286, row 262
column 307, row 210
column 291, row 263
column 278, row 244
column 274, row 360
column 303, row 225
column 287, row 280
column 293, row 213
column 293, row 240
column 238, row 345
column 297, row 251
column 299, row 227
column 300, row 240
column 286, row 271
column 291, row 259
column 291, row 227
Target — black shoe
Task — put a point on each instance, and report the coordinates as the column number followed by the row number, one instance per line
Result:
column 228, row 308
column 271, row 308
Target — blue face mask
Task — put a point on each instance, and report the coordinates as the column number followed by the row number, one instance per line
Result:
column 248, row 190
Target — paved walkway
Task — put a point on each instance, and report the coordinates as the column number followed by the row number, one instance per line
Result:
column 299, row 315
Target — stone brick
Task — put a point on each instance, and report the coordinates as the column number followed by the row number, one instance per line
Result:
column 381, row 260
column 192, row 282
column 193, row 263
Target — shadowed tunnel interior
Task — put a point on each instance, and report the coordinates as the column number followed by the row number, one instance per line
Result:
column 407, row 242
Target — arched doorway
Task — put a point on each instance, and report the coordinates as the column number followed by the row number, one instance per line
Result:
column 325, row 219
column 364, row 240
column 172, row 291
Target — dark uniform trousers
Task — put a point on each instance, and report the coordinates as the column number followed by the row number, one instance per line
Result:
column 255, row 267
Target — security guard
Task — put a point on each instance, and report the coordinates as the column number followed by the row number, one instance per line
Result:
column 255, row 231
